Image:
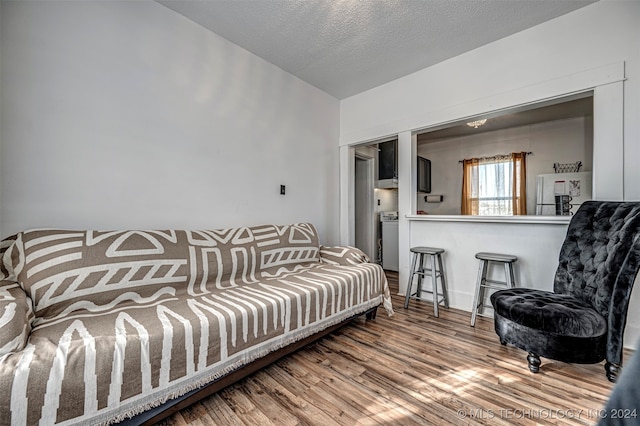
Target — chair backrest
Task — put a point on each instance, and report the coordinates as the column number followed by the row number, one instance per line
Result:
column 600, row 256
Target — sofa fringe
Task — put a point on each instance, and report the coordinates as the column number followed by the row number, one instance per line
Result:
column 388, row 306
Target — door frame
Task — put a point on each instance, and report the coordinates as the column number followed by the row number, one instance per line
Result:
column 369, row 216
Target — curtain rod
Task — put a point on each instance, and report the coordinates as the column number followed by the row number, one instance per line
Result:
column 492, row 157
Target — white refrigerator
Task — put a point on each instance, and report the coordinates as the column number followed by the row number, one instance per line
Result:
column 576, row 187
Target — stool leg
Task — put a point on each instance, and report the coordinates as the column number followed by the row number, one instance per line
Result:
column 443, row 282
column 483, row 287
column 410, row 284
column 482, row 272
column 420, row 275
column 508, row 271
column 434, row 285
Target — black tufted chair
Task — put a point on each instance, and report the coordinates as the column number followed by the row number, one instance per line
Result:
column 583, row 319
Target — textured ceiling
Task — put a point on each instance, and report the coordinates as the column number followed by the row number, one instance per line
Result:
column 349, row 46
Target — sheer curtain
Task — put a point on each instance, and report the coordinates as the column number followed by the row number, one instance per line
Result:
column 494, row 186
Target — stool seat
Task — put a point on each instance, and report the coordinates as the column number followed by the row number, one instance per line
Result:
column 427, row 250
column 507, row 260
column 496, row 257
column 435, row 271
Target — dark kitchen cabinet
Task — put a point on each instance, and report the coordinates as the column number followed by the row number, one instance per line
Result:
column 388, row 164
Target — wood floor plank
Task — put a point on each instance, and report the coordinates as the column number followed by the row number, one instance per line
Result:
column 323, row 392
column 263, row 401
column 297, row 405
column 370, row 403
column 411, row 369
column 220, row 412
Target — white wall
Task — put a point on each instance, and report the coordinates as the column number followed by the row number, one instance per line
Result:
column 575, row 52
column 388, row 199
column 0, row 123
column 123, row 115
column 560, row 141
column 497, row 75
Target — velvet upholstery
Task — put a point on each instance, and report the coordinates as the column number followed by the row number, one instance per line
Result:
column 583, row 319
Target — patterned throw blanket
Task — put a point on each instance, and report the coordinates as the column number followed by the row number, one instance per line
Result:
column 99, row 326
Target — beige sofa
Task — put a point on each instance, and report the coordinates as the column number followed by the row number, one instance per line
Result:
column 97, row 327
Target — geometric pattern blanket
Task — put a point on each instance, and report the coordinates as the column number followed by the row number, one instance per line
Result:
column 98, row 326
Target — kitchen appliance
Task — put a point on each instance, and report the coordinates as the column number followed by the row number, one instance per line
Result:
column 387, row 216
column 560, row 194
column 389, row 240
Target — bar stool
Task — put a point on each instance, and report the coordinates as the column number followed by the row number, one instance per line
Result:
column 479, row 299
column 418, row 268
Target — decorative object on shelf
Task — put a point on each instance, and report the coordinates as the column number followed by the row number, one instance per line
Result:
column 567, row 167
column 477, row 123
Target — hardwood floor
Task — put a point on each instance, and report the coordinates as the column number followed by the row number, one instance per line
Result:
column 409, row 369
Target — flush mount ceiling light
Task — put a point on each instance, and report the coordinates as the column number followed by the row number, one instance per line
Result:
column 477, row 123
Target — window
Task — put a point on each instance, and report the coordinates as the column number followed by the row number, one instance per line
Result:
column 494, row 186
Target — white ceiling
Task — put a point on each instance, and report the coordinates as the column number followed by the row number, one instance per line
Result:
column 345, row 47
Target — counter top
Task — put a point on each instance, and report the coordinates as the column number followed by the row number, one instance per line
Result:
column 553, row 220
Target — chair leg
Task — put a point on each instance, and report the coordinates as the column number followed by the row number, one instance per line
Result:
column 612, row 370
column 534, row 362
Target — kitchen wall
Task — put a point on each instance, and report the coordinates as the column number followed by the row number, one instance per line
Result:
column 119, row 115
column 388, row 199
column 560, row 141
